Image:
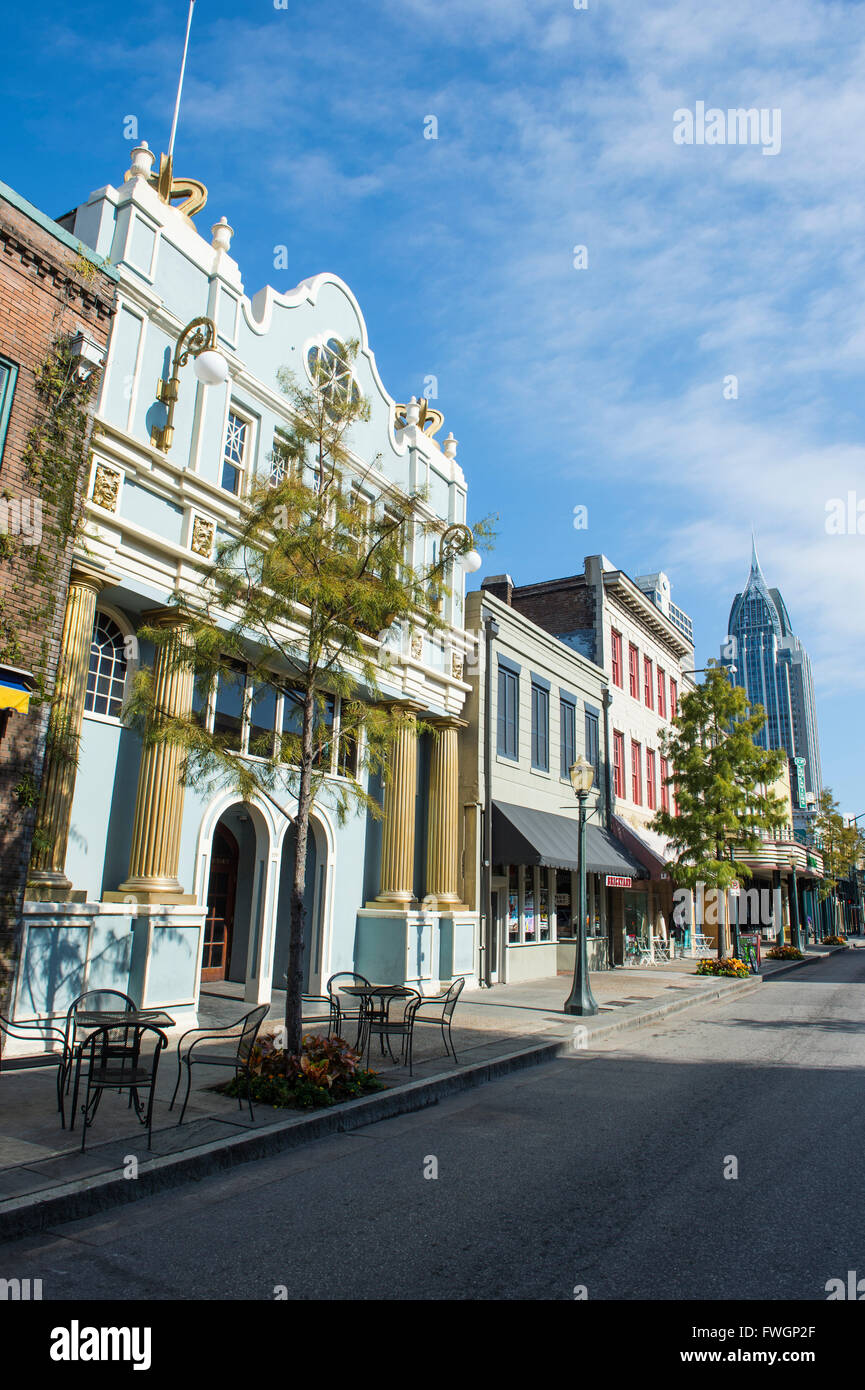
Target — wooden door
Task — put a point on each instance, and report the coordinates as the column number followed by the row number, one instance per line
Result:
column 221, row 891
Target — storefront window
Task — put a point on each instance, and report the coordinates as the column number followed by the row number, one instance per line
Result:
column 637, row 915
column 529, row 906
column 513, row 904
column 597, row 906
column 563, row 903
column 544, row 925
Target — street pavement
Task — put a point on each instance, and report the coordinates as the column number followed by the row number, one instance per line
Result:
column 604, row 1170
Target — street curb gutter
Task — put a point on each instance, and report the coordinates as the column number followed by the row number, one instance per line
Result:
column 83, row 1197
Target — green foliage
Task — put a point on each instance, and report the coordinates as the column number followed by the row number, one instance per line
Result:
column 726, row 966
column 722, row 783
column 784, row 953
column 26, row 792
column 325, row 1072
column 841, row 845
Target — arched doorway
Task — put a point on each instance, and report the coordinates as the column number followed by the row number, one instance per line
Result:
column 221, row 900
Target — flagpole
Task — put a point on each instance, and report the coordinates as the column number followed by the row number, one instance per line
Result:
column 180, row 82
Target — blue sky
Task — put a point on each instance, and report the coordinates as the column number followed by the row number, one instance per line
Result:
column 601, row 386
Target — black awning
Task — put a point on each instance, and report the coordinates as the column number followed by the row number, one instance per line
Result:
column 525, row 836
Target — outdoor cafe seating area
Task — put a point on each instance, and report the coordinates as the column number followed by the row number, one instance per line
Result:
column 106, row 1043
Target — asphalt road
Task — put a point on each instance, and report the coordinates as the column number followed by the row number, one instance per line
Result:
column 605, row 1170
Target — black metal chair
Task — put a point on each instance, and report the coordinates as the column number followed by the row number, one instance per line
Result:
column 385, row 1026
column 114, row 1061
column 443, row 1005
column 330, row 1016
column 92, row 999
column 28, row 1031
column 249, row 1027
column 350, row 1008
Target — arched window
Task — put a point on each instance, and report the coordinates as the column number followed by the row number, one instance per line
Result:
column 329, row 369
column 107, row 675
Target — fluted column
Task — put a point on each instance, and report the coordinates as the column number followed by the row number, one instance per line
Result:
column 397, row 848
column 47, row 878
column 155, row 852
column 442, row 847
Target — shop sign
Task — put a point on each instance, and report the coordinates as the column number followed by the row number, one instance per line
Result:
column 563, row 900
column 613, row 881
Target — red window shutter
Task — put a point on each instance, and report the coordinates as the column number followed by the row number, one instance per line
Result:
column 662, row 693
column 648, row 683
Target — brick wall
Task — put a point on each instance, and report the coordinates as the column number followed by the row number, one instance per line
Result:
column 559, row 606
column 47, row 288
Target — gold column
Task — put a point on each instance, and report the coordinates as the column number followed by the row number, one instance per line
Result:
column 442, row 847
column 47, row 878
column 155, row 852
column 397, row 849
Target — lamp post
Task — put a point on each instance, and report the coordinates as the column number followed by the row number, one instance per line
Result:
column 795, row 920
column 198, row 341
column 581, row 1000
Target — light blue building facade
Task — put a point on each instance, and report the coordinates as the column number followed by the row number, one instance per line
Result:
column 153, row 517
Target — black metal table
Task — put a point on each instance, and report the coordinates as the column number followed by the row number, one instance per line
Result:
column 367, row 993
column 110, row 1018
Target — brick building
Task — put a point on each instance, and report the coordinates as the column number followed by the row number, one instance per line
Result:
column 56, row 306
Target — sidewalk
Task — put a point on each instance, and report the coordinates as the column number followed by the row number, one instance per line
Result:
column 44, row 1178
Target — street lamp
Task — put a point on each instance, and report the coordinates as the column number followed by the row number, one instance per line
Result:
column 581, row 1000
column 457, row 544
column 198, row 341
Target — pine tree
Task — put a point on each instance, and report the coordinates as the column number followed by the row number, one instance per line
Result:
column 304, row 592
column 722, row 785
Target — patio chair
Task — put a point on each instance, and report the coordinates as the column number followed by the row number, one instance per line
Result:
column 29, row 1031
column 349, row 1008
column 249, row 1026
column 443, row 1006
column 330, row 1015
column 114, row 1061
column 385, row 1027
column 91, row 999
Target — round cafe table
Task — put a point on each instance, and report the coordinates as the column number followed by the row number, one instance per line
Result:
column 366, row 993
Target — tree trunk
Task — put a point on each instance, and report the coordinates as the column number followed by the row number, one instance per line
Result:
column 294, row 982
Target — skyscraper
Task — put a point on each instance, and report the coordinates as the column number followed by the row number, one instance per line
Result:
column 774, row 669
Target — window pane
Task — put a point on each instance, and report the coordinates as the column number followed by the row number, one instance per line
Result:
column 262, row 721
column 228, row 720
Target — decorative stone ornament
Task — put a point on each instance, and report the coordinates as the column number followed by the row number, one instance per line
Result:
column 449, row 448
column 202, row 536
column 141, row 166
column 416, row 646
column 457, row 666
column 106, row 487
column 221, row 233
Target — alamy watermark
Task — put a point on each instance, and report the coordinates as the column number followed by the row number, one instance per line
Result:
column 21, row 517
column 737, row 126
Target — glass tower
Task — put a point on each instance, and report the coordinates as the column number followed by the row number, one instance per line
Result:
column 774, row 669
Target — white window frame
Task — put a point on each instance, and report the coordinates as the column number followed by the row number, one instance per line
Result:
column 107, row 611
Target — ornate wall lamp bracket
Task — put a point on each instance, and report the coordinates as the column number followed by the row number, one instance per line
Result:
column 457, row 544
column 198, row 341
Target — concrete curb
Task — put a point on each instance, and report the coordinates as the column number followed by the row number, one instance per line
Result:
column 83, row 1197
